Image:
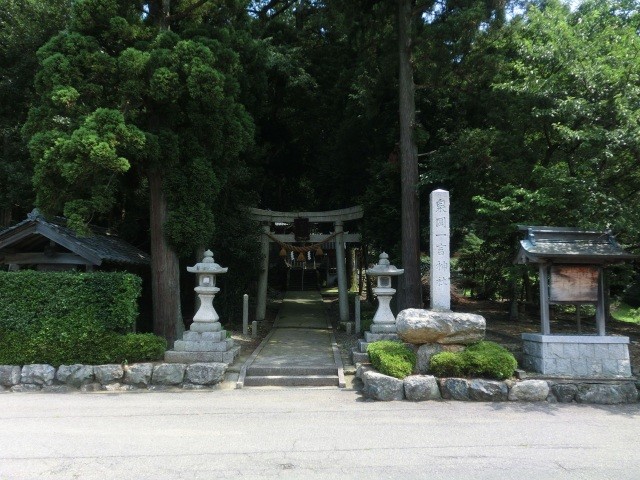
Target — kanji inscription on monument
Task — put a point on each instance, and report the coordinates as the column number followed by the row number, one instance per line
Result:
column 440, row 261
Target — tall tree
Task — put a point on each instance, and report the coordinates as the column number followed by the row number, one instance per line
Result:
column 128, row 104
column 25, row 25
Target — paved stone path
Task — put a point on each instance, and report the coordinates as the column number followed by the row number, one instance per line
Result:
column 300, row 349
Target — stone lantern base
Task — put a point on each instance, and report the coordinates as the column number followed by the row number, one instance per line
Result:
column 203, row 346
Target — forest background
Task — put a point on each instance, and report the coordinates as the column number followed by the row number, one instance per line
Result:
column 162, row 119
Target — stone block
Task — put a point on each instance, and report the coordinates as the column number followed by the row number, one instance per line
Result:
column 607, row 394
column 75, row 375
column 201, row 327
column 419, row 326
column 91, row 387
column 38, row 374
column 488, row 390
column 425, row 352
column 214, row 336
column 624, row 368
column 454, row 388
column 555, row 350
column 168, row 374
column 563, row 367
column 118, row 387
column 110, row 373
column 382, row 387
column 138, row 374
column 26, row 388
column 529, row 391
column 230, row 356
column 361, row 369
column 202, row 346
column 421, row 387
column 579, row 367
column 565, row 392
column 57, row 389
column 205, row 373
column 359, row 357
column 383, row 328
column 376, row 337
column 10, row 375
column 594, row 368
column 571, row 350
column 172, row 356
column 609, row 367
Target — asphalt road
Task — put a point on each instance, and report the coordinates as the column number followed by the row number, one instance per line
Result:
column 309, row 434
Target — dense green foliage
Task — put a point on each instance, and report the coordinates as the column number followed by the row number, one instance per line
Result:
column 68, row 340
column 528, row 113
column 30, row 299
column 392, row 358
column 482, row 359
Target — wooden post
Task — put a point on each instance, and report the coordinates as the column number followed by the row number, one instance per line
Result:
column 261, row 307
column 600, row 309
column 544, row 300
column 343, row 297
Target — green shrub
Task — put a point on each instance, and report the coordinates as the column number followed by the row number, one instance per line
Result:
column 447, row 364
column 482, row 359
column 141, row 347
column 65, row 341
column 392, row 358
column 27, row 298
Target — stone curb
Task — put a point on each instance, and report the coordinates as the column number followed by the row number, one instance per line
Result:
column 424, row 387
column 111, row 378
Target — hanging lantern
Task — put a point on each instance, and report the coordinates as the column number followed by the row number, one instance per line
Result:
column 301, row 257
column 319, row 252
column 283, row 252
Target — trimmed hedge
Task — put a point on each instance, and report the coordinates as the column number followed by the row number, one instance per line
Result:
column 28, row 298
column 482, row 359
column 392, row 358
column 66, row 341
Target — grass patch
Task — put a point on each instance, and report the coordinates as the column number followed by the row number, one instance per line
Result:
column 625, row 313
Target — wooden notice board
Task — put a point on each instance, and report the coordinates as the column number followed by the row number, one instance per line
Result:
column 574, row 283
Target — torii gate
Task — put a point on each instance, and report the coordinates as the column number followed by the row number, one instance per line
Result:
column 337, row 217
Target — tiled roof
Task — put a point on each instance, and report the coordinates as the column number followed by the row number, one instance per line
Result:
column 96, row 248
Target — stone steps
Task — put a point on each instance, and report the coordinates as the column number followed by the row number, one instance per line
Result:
column 292, row 376
column 291, row 381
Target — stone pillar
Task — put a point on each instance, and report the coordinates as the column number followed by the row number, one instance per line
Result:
column 261, row 307
column 343, row 297
column 440, row 275
column 600, row 308
column 544, row 300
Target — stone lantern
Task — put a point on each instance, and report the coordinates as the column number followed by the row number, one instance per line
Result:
column 205, row 341
column 206, row 318
column 384, row 320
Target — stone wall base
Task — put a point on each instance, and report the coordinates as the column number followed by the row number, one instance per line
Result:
column 585, row 356
column 426, row 387
column 113, row 377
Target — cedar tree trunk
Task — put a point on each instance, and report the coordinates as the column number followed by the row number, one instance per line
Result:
column 412, row 287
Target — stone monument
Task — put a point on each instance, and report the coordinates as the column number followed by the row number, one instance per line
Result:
column 440, row 277
column 205, row 341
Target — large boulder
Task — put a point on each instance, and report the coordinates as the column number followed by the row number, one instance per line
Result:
column 529, row 391
column 205, row 373
column 138, row 374
column 38, row 374
column 488, row 390
column 382, row 387
column 607, row 394
column 454, row 388
column 75, row 375
column 421, row 387
column 419, row 326
column 10, row 375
